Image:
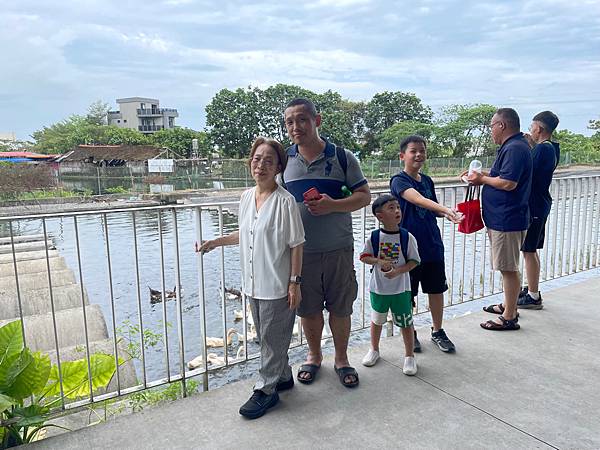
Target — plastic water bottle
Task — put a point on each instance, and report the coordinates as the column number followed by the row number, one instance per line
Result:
column 475, row 166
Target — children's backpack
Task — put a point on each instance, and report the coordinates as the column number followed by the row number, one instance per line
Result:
column 403, row 242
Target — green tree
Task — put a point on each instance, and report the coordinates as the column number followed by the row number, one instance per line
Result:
column 390, row 139
column 63, row 136
column 387, row 108
column 234, row 120
column 581, row 148
column 180, row 141
column 98, row 113
column 464, row 129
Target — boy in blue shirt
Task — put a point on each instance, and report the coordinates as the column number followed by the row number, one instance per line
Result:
column 415, row 192
column 393, row 253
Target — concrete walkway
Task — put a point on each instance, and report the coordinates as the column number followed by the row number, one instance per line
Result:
column 532, row 388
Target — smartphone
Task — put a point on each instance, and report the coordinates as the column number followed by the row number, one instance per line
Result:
column 312, row 194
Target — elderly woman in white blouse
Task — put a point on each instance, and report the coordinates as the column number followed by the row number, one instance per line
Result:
column 271, row 238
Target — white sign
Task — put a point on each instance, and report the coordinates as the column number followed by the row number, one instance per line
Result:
column 161, row 165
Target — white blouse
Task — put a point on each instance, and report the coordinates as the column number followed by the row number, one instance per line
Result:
column 266, row 237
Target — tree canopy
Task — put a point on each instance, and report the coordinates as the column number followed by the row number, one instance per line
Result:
column 371, row 129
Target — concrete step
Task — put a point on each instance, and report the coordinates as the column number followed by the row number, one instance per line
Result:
column 6, row 258
column 31, row 266
column 23, row 238
column 39, row 329
column 33, row 281
column 27, row 247
column 38, row 301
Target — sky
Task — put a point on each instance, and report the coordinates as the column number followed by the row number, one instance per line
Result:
column 57, row 57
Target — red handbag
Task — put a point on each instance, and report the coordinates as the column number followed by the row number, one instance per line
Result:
column 471, row 210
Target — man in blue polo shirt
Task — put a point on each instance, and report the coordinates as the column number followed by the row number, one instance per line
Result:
column 328, row 278
column 505, row 207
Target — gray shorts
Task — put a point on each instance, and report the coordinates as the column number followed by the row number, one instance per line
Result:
column 328, row 282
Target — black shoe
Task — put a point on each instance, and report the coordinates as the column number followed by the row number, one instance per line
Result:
column 258, row 404
column 285, row 385
column 442, row 341
column 524, row 291
column 417, row 344
column 527, row 302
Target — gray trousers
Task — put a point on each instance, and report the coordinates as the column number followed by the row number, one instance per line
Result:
column 274, row 322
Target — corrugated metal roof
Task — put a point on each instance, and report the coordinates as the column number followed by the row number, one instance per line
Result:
column 111, row 152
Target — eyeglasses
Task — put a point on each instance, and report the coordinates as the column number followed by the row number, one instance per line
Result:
column 262, row 162
column 493, row 124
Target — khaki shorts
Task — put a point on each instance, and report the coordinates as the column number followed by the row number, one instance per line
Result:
column 328, row 282
column 506, row 247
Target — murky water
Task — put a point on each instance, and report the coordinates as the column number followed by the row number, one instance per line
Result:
column 467, row 267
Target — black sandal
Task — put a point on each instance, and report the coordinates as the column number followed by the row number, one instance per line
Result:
column 311, row 369
column 492, row 309
column 344, row 372
column 506, row 325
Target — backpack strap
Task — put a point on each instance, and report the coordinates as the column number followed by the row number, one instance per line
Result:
column 342, row 158
column 375, row 241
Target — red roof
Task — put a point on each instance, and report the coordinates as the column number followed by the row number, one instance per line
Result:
column 30, row 155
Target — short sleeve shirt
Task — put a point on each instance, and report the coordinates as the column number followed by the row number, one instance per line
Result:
column 389, row 249
column 545, row 157
column 509, row 210
column 421, row 222
column 266, row 239
column 331, row 231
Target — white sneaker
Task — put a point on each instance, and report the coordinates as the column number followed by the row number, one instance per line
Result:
column 370, row 358
column 410, row 366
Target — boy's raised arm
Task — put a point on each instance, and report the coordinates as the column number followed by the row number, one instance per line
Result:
column 413, row 196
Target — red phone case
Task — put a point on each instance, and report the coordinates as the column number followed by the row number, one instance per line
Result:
column 312, row 194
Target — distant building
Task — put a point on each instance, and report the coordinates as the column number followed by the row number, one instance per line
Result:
column 142, row 114
column 8, row 136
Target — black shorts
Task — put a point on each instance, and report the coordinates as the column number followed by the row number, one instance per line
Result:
column 431, row 275
column 536, row 233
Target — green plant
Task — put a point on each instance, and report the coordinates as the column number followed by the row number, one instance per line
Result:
column 139, row 400
column 30, row 385
column 117, row 190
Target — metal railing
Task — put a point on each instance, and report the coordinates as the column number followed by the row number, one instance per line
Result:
column 155, row 111
column 113, row 253
column 150, row 127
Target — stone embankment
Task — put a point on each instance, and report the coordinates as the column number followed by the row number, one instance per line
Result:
column 26, row 293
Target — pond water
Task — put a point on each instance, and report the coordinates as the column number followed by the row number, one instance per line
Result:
column 467, row 268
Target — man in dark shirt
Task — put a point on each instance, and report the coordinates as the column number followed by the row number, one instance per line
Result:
column 545, row 156
column 505, row 208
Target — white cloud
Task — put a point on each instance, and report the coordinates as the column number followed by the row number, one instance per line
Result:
column 62, row 56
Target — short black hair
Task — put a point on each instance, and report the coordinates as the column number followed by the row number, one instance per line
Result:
column 510, row 117
column 308, row 105
column 381, row 201
column 412, row 138
column 548, row 119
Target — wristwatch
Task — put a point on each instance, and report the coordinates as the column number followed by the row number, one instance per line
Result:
column 296, row 279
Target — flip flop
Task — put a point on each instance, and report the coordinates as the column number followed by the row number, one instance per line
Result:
column 311, row 369
column 343, row 372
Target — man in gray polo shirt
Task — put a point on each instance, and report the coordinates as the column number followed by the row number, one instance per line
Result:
column 328, row 278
